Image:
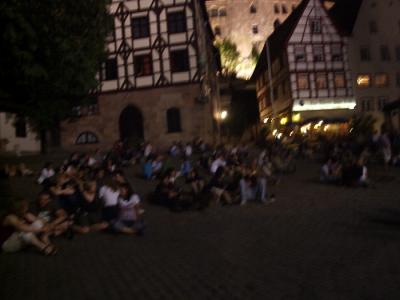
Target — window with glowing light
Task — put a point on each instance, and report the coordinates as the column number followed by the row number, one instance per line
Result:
column 363, row 80
column 381, row 80
column 321, row 81
column 302, row 82
column 339, row 80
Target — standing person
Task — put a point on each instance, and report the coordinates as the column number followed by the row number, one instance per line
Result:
column 130, row 216
column 20, row 229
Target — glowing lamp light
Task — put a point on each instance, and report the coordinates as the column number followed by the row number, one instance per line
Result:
column 284, row 121
column 326, row 127
column 296, row 118
column 279, row 136
column 223, row 114
column 265, row 120
column 274, row 132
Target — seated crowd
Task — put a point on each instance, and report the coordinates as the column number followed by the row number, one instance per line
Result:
column 89, row 192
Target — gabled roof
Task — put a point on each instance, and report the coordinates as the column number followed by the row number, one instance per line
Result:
column 278, row 39
column 344, row 14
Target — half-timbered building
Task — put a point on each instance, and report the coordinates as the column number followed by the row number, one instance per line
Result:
column 158, row 81
column 303, row 72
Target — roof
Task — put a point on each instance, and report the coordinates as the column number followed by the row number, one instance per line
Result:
column 278, row 39
column 344, row 14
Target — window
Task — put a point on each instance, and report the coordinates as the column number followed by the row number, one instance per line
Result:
column 320, row 81
column 364, row 80
column 140, row 27
column 20, row 127
column 217, row 30
column 367, row 104
column 276, row 8
column 397, row 50
column 86, row 138
column 254, row 29
column 174, row 120
column 381, row 103
column 302, row 81
column 318, row 53
column 111, row 34
column 179, row 60
column 213, row 13
column 110, row 69
column 143, row 65
column 385, row 53
column 276, row 24
column 176, row 22
column 253, row 9
column 299, row 53
column 284, row 9
column 222, row 12
column 381, row 80
column 315, row 26
column 339, row 80
column 365, row 53
column 337, row 54
column 373, row 28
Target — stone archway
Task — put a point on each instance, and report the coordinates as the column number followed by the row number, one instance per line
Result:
column 131, row 128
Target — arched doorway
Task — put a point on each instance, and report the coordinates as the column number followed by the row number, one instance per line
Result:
column 131, row 125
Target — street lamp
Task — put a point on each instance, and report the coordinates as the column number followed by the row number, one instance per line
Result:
column 223, row 114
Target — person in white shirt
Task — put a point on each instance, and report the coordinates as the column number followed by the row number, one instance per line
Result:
column 218, row 162
column 148, row 150
column 46, row 173
column 109, row 194
column 130, row 216
column 188, row 150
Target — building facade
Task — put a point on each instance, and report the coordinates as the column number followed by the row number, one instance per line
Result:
column 303, row 73
column 247, row 23
column 159, row 80
column 375, row 59
column 16, row 135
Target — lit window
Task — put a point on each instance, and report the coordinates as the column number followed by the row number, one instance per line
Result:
column 86, row 138
column 373, row 28
column 254, row 29
column 318, row 53
column 315, row 26
column 302, row 81
column 253, row 9
column 365, row 53
column 364, row 80
column 299, row 53
column 337, row 54
column 143, row 65
column 321, row 82
column 385, row 53
column 339, row 80
column 381, row 80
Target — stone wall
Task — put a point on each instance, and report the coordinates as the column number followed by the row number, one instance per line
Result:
column 196, row 118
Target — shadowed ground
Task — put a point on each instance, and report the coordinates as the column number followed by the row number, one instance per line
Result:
column 314, row 242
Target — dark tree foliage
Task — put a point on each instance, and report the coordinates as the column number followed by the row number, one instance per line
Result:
column 50, row 53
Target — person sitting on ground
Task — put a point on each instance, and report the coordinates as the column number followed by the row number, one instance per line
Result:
column 157, row 166
column 89, row 218
column 46, row 174
column 109, row 194
column 166, row 193
column 218, row 187
column 251, row 187
column 148, row 168
column 188, row 150
column 217, row 163
column 186, row 167
column 47, row 210
column 20, row 229
column 130, row 216
column 196, row 182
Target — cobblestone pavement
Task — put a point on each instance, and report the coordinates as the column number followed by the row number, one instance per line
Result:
column 314, row 242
